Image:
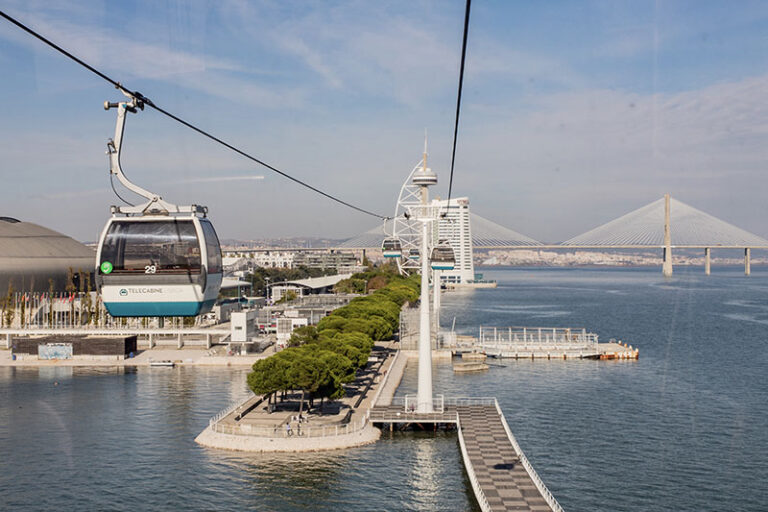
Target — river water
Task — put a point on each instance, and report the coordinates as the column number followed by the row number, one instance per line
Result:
column 683, row 428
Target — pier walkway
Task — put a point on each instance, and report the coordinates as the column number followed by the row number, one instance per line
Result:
column 501, row 476
column 537, row 343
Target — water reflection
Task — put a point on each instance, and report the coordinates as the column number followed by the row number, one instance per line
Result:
column 424, row 476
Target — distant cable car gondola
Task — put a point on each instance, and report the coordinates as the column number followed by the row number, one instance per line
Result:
column 413, row 253
column 391, row 248
column 442, row 257
column 155, row 259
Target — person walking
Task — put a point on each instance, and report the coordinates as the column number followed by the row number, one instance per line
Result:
column 288, row 431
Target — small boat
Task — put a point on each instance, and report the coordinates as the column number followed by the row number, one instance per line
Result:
column 165, row 362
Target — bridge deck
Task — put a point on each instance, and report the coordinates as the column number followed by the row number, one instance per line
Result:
column 397, row 414
column 499, row 477
column 492, row 461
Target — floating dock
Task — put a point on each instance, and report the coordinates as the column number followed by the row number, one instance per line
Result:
column 538, row 343
column 475, row 366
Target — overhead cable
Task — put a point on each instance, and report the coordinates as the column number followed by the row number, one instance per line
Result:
column 458, row 97
column 189, row 125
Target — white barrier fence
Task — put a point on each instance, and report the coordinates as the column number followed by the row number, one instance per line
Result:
column 550, row 499
column 536, row 336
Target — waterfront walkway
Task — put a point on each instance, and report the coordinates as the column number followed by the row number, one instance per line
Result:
column 500, row 474
column 251, row 426
column 499, row 478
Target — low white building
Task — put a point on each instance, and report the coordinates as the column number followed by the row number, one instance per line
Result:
column 302, row 287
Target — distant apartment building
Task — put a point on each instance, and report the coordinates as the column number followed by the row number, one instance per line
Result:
column 341, row 262
column 265, row 259
column 455, row 228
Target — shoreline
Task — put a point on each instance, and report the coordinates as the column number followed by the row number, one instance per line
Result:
column 255, row 444
column 191, row 356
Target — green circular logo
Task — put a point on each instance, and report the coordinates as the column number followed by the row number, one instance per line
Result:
column 106, row 267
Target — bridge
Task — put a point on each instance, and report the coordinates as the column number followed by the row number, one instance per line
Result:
column 664, row 224
column 502, row 478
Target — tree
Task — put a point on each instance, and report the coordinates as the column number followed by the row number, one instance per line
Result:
column 269, row 376
column 358, row 357
column 287, row 297
column 302, row 335
column 321, row 359
column 8, row 306
column 350, row 285
column 304, row 373
column 336, row 322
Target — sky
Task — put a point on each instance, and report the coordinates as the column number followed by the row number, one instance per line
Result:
column 573, row 114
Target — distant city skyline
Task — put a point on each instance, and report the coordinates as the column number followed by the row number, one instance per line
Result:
column 574, row 113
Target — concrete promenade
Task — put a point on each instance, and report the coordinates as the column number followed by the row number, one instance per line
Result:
column 342, row 424
column 188, row 356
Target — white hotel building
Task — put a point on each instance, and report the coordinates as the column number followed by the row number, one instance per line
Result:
column 455, row 228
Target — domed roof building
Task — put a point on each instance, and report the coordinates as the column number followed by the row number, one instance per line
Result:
column 31, row 256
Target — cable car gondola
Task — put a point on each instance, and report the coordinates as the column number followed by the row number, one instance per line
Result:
column 413, row 254
column 391, row 248
column 155, row 259
column 442, row 257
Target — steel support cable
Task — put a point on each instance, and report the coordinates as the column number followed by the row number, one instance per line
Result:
column 112, row 184
column 458, row 97
column 189, row 125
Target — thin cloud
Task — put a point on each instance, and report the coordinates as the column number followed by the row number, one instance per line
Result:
column 74, row 194
column 220, row 179
column 202, row 72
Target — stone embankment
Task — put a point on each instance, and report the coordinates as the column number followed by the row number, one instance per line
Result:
column 248, row 443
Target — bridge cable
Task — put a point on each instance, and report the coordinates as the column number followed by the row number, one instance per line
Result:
column 189, row 125
column 458, row 97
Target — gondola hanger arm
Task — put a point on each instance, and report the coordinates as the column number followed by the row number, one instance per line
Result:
column 155, row 203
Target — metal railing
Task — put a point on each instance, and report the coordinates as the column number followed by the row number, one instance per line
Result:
column 535, row 335
column 545, row 493
column 226, row 411
column 279, row 431
column 410, row 403
column 399, row 416
column 463, row 400
column 297, row 430
column 384, row 380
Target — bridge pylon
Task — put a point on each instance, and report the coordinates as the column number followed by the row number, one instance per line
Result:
column 666, row 268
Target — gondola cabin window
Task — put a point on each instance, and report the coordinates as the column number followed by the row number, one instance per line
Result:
column 157, row 247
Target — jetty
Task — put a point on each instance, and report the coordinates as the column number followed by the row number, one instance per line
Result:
column 502, row 478
column 537, row 343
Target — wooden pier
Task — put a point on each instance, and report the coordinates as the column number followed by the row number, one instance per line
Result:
column 501, row 476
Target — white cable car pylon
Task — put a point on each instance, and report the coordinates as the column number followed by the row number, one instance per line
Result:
column 417, row 222
column 155, row 259
column 404, row 226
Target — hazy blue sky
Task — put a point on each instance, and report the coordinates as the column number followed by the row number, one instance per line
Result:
column 574, row 113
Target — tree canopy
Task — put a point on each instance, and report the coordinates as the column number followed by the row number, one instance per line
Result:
column 321, row 359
